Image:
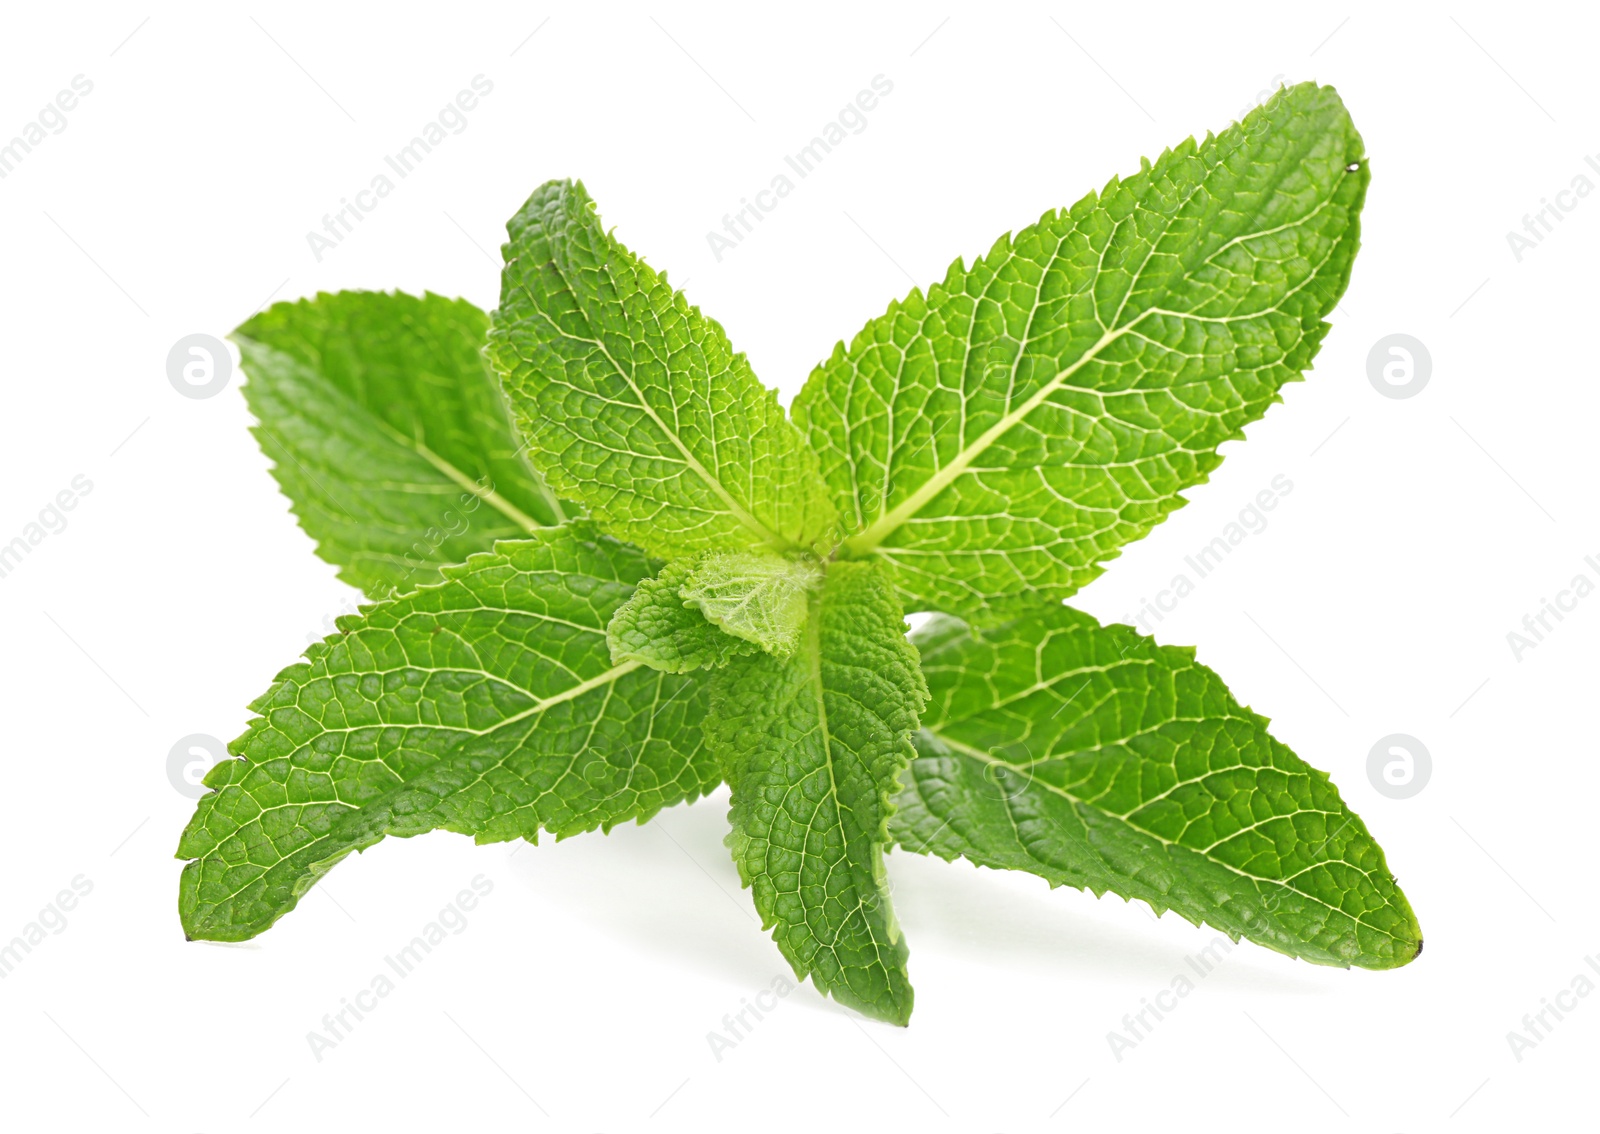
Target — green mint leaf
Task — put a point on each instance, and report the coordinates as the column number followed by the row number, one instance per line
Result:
column 761, row 598
column 994, row 441
column 388, row 433
column 636, row 403
column 1094, row 758
column 812, row 746
column 658, row 628
column 487, row 704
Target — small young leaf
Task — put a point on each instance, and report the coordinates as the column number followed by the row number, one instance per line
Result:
column 487, row 705
column 388, row 433
column 994, row 441
column 1094, row 758
column 636, row 403
column 760, row 598
column 658, row 628
column 812, row 745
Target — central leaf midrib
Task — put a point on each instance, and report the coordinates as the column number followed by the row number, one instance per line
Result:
column 572, row 692
column 886, row 524
column 488, row 495
column 814, row 673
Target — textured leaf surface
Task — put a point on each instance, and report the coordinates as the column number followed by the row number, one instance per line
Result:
column 486, row 705
column 658, row 628
column 1094, row 758
column 994, row 441
column 760, row 598
column 388, row 433
column 636, row 403
column 811, row 746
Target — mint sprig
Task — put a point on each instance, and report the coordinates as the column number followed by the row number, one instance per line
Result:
column 666, row 582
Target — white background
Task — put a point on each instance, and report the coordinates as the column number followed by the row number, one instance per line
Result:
column 1418, row 533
